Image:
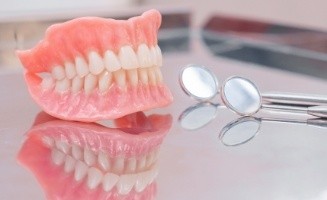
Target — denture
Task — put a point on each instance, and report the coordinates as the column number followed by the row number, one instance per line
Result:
column 73, row 160
column 91, row 68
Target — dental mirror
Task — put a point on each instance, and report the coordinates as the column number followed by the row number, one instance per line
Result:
column 198, row 116
column 198, row 82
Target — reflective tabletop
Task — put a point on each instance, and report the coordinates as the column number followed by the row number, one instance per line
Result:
column 176, row 152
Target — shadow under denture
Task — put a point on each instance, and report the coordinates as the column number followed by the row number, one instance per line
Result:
column 81, row 161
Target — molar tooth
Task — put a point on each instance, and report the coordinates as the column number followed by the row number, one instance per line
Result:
column 118, row 165
column 153, row 56
column 77, row 84
column 128, row 58
column 109, row 181
column 62, row 146
column 141, row 163
column 89, row 157
column 47, row 83
column 126, row 183
column 152, row 76
column 94, row 177
column 105, row 81
column 77, row 152
column 120, row 77
column 158, row 74
column 90, row 83
column 159, row 56
column 103, row 161
column 82, row 68
column 143, row 75
column 62, row 85
column 58, row 72
column 58, row 157
column 48, row 141
column 143, row 55
column 111, row 61
column 132, row 76
column 69, row 164
column 150, row 159
column 70, row 70
column 131, row 165
column 95, row 62
column 80, row 170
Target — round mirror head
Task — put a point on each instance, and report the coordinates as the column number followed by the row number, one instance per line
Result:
column 197, row 116
column 240, row 131
column 241, row 96
column 198, row 82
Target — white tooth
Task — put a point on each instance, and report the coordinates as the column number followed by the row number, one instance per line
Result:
column 126, row 183
column 153, row 56
column 128, row 58
column 158, row 74
column 141, row 182
column 80, row 170
column 118, row 165
column 152, row 76
column 89, row 157
column 105, row 81
column 103, row 161
column 131, row 165
column 58, row 157
column 159, row 56
column 111, row 61
column 143, row 75
column 62, row 146
column 58, row 72
column 141, row 163
column 132, row 76
column 148, row 175
column 120, row 77
column 69, row 164
column 47, row 83
column 109, row 181
column 90, row 83
column 150, row 159
column 62, row 85
column 70, row 70
column 154, row 174
column 82, row 68
column 48, row 141
column 94, row 177
column 77, row 152
column 143, row 55
column 96, row 63
column 77, row 84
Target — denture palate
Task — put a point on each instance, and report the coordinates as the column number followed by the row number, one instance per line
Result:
column 99, row 169
column 100, row 71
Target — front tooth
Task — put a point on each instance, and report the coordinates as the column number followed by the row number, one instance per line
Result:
column 80, row 170
column 62, row 85
column 48, row 141
column 118, row 165
column 89, row 157
column 109, row 181
column 158, row 74
column 77, row 84
column 153, row 56
column 105, row 81
column 58, row 72
column 141, row 182
column 103, row 161
column 94, row 177
column 152, row 76
column 143, row 55
column 132, row 76
column 58, row 157
column 141, row 163
column 90, row 83
column 96, row 63
column 62, row 146
column 70, row 70
column 111, row 61
column 77, row 152
column 159, row 56
column 69, row 164
column 143, row 75
column 131, row 165
column 47, row 83
column 120, row 77
column 128, row 58
column 126, row 183
column 82, row 68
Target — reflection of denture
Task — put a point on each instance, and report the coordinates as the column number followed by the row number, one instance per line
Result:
column 74, row 160
column 92, row 68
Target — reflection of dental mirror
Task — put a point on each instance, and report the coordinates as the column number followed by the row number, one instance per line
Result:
column 243, row 129
column 198, row 116
column 198, row 82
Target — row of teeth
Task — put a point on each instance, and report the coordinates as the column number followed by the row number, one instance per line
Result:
column 150, row 75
